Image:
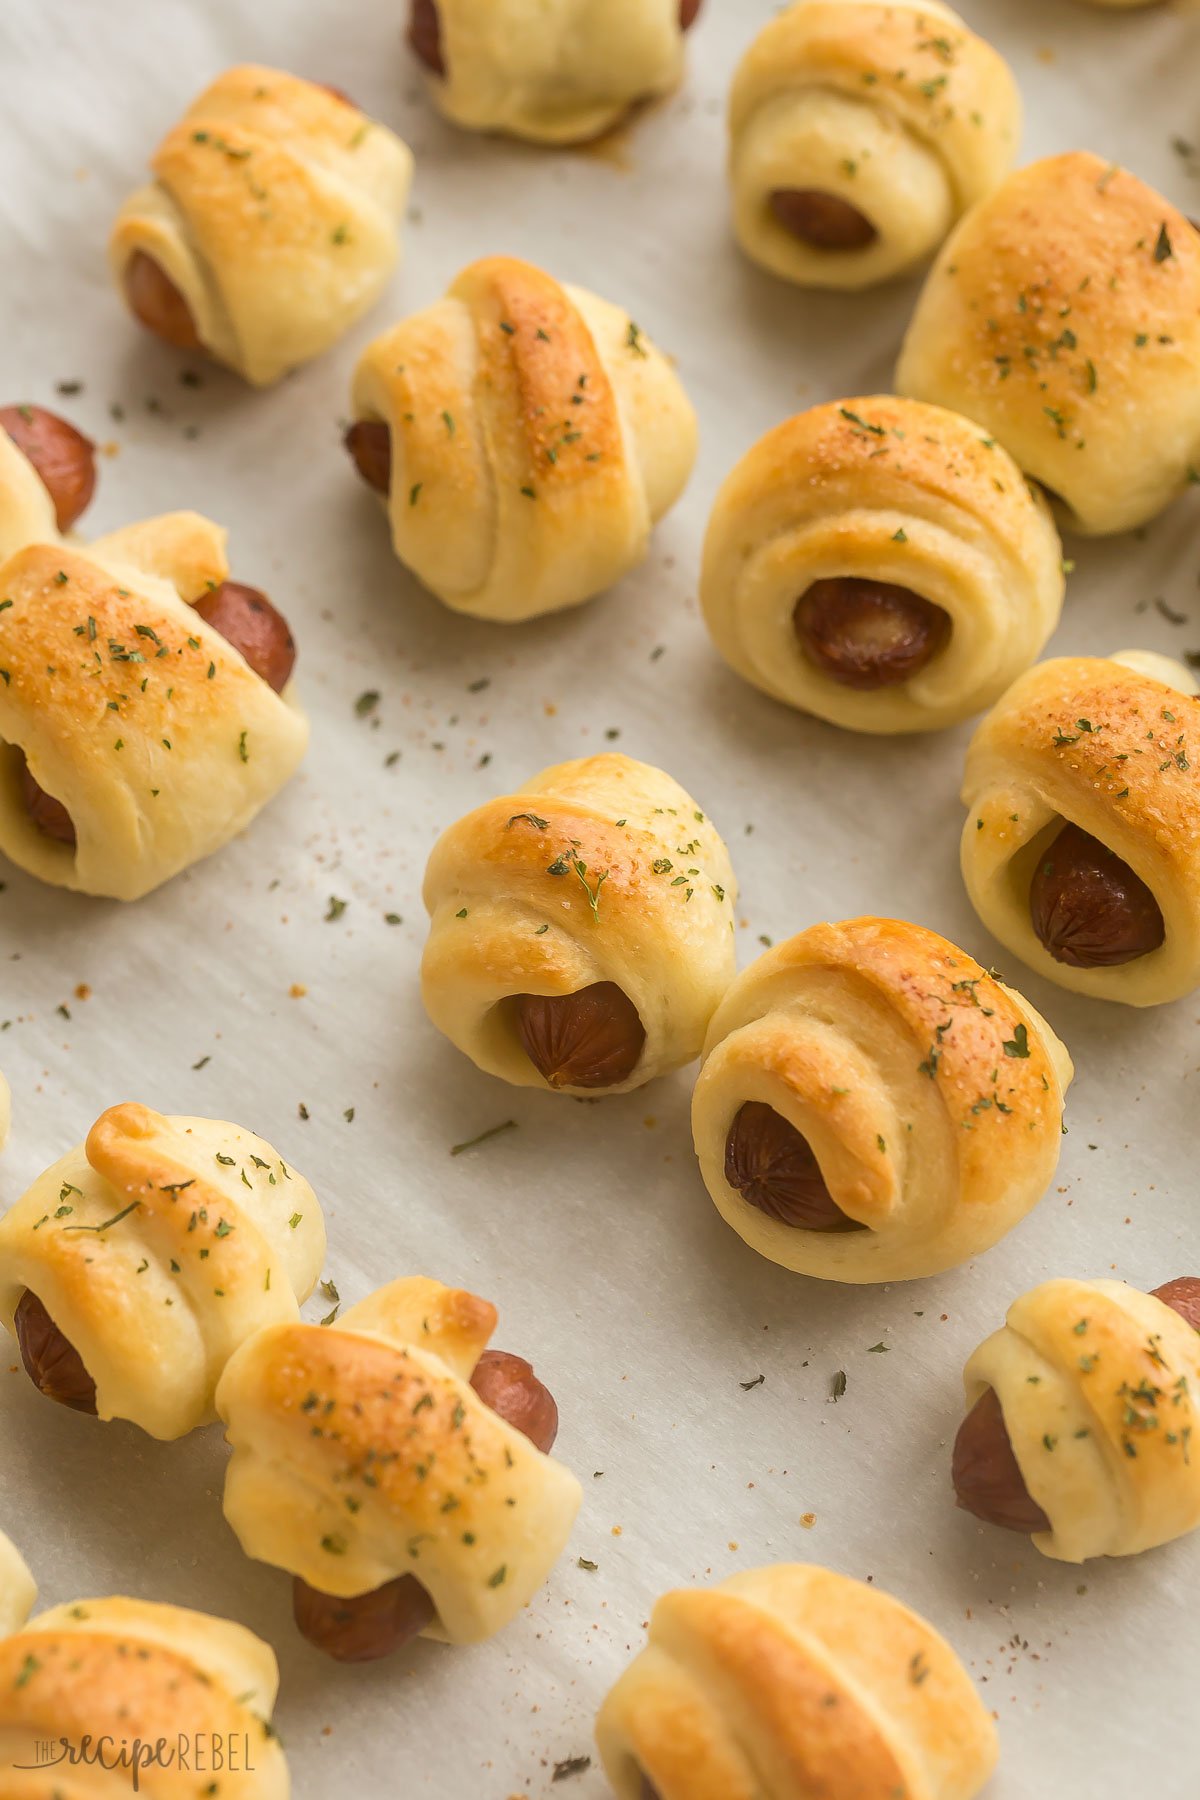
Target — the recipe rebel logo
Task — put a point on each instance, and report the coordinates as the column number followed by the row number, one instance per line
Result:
column 197, row 1753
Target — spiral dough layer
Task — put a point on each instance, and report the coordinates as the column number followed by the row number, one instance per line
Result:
column 1081, row 846
column 874, row 1106
column 859, row 134
column 792, row 1681
column 881, row 564
column 1064, row 316
column 552, row 71
column 1094, row 1390
column 581, row 929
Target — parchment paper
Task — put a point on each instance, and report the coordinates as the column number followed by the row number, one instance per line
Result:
column 588, row 1225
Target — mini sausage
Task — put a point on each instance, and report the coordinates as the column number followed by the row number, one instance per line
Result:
column 48, row 814
column 1088, row 907
column 158, row 304
column 64, row 459
column 868, row 634
column 508, row 1385
column 986, row 1474
column 425, row 35
column 825, row 221
column 772, row 1166
column 649, row 1791
column 370, row 445
column 1183, row 1297
column 246, row 619
column 592, row 1039
column 367, row 1626
column 51, row 1361
column 689, row 12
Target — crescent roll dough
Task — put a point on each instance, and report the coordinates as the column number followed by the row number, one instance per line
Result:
column 1064, row 315
column 26, row 509
column 156, row 1247
column 793, row 1683
column 362, row 1453
column 597, row 871
column 1100, row 1390
column 554, row 71
column 898, row 112
column 18, row 1589
column 131, row 1678
column 930, row 1095
column 882, row 491
column 275, row 212
column 1111, row 745
column 536, row 437
column 139, row 717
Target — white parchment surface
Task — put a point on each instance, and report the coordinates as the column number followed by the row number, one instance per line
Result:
column 588, row 1224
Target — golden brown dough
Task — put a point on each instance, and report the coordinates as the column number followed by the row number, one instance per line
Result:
column 935, row 573
column 137, row 1679
column 860, row 132
column 597, row 874
column 1110, row 746
column 26, row 509
column 919, row 1104
column 793, row 1683
column 361, row 1453
column 1099, row 1387
column 1064, row 316
column 271, row 225
column 535, row 436
column 552, row 71
column 125, row 707
column 156, row 1247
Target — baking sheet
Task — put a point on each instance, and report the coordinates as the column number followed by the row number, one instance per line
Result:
column 588, row 1224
